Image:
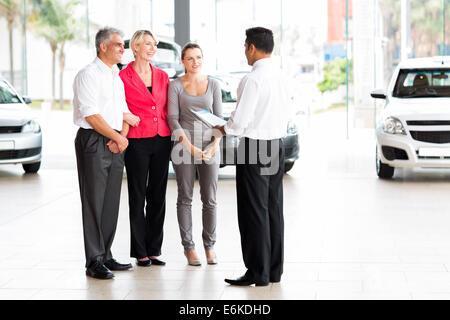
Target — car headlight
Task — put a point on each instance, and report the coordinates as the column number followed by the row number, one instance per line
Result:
column 393, row 126
column 31, row 126
column 291, row 128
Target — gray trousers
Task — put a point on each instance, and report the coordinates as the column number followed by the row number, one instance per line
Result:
column 208, row 175
column 100, row 175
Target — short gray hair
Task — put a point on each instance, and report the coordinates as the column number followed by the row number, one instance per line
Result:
column 104, row 36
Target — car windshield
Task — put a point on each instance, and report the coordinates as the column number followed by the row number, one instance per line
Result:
column 422, row 83
column 7, row 94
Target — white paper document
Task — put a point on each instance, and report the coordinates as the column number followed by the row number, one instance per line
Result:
column 209, row 118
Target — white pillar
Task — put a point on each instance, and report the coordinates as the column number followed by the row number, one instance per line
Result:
column 363, row 62
column 405, row 29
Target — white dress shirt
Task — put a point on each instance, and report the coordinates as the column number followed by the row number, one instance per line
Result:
column 98, row 89
column 263, row 107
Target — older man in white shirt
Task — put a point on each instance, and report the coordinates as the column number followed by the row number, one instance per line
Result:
column 99, row 105
column 262, row 113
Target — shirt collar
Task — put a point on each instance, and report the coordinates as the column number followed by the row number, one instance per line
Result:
column 262, row 62
column 104, row 68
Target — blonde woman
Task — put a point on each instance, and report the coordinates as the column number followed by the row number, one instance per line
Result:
column 195, row 149
column 147, row 159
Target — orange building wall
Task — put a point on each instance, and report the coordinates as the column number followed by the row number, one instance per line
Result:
column 336, row 20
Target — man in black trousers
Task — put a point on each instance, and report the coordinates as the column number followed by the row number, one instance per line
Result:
column 99, row 104
column 260, row 119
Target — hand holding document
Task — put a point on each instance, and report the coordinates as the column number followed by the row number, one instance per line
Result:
column 209, row 118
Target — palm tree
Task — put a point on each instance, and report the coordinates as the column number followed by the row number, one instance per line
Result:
column 10, row 9
column 53, row 20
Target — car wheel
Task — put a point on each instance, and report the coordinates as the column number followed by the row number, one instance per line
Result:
column 288, row 166
column 384, row 170
column 31, row 167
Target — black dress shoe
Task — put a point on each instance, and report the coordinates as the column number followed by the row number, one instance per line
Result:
column 144, row 263
column 157, row 262
column 113, row 265
column 99, row 271
column 245, row 280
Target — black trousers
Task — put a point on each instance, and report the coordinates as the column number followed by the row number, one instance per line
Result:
column 259, row 186
column 147, row 165
column 100, row 175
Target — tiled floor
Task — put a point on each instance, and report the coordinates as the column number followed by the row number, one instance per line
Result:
column 348, row 235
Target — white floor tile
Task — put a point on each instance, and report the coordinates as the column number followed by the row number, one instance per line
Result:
column 348, row 235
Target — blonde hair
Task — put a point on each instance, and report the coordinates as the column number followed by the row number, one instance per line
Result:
column 138, row 37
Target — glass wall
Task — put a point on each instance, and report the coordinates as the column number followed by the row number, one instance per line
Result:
column 310, row 40
column 299, row 36
column 222, row 31
column 157, row 15
column 426, row 34
column 426, row 27
column 426, row 30
column 162, row 18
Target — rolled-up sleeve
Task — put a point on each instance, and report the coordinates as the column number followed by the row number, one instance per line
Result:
column 245, row 107
column 173, row 110
column 85, row 84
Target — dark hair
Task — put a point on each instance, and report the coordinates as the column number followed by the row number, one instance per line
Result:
column 190, row 45
column 261, row 38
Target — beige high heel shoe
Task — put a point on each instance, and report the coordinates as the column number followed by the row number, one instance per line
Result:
column 192, row 262
column 212, row 260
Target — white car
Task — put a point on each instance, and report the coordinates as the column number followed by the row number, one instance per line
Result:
column 414, row 128
column 20, row 134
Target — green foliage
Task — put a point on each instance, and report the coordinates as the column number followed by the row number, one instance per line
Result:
column 426, row 27
column 334, row 75
column 53, row 20
column 426, row 16
column 9, row 8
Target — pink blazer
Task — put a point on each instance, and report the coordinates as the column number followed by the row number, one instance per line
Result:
column 151, row 108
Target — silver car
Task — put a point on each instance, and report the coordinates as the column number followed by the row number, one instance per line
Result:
column 20, row 134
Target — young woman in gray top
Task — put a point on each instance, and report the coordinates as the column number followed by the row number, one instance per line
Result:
column 195, row 148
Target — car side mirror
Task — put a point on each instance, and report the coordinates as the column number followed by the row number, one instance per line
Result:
column 378, row 94
column 27, row 100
